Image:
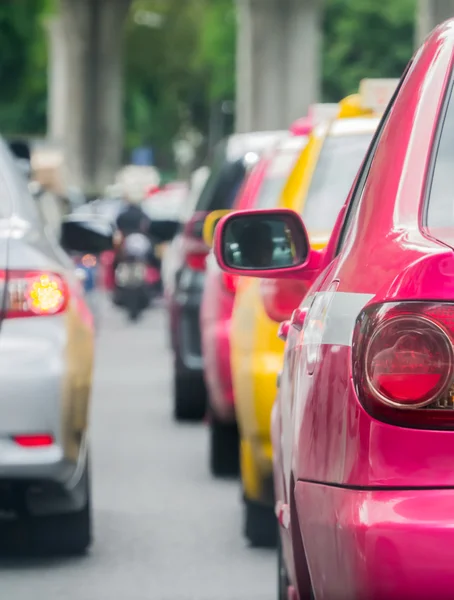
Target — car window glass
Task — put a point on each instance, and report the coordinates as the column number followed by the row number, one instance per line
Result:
column 275, row 178
column 223, row 184
column 357, row 193
column 440, row 207
column 16, row 193
column 337, row 166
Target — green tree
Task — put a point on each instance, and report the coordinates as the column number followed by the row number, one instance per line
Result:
column 216, row 53
column 365, row 38
column 163, row 90
column 23, row 65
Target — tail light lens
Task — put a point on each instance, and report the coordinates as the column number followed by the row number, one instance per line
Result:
column 33, row 293
column 229, row 282
column 281, row 297
column 33, row 440
column 196, row 260
column 89, row 261
column 403, row 363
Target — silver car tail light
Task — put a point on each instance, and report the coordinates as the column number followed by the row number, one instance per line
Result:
column 33, row 294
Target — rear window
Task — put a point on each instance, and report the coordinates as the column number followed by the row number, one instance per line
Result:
column 440, row 209
column 223, row 184
column 276, row 178
column 336, row 169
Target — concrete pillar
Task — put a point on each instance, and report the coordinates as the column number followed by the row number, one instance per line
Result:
column 278, row 69
column 57, row 80
column 431, row 13
column 93, row 31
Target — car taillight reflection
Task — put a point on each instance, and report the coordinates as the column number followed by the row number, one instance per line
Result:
column 281, row 297
column 33, row 293
column 89, row 261
column 403, row 363
column 33, row 440
column 229, row 282
column 196, row 260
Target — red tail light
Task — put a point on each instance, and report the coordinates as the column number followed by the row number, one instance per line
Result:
column 229, row 282
column 33, row 440
column 281, row 297
column 403, row 363
column 33, row 293
column 196, row 260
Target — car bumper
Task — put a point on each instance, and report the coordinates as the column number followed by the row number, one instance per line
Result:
column 257, row 472
column 384, row 545
column 218, row 373
column 185, row 324
column 45, row 379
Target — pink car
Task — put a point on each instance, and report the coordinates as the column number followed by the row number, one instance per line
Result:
column 261, row 189
column 363, row 428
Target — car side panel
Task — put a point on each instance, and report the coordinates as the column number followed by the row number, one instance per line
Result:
column 45, row 369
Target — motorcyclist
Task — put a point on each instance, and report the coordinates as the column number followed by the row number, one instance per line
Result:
column 132, row 218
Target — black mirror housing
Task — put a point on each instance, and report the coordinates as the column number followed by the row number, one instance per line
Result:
column 164, row 231
column 86, row 234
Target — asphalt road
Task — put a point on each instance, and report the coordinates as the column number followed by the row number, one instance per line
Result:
column 164, row 529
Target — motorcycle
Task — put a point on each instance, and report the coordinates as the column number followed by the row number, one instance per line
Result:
column 134, row 276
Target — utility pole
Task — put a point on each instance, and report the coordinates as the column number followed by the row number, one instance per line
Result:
column 429, row 14
column 278, row 62
column 91, row 118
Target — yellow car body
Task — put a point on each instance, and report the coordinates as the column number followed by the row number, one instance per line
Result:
column 256, row 351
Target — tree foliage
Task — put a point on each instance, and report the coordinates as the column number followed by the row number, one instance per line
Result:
column 181, row 63
column 23, row 70
column 365, row 38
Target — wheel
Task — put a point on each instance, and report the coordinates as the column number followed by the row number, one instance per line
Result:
column 260, row 525
column 224, row 449
column 189, row 397
column 133, row 312
column 61, row 534
column 282, row 578
column 65, row 534
column 134, row 307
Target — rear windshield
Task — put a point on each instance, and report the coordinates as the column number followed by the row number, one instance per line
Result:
column 223, row 184
column 336, row 169
column 276, row 178
column 440, row 209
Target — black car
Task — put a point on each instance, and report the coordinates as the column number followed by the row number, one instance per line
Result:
column 232, row 159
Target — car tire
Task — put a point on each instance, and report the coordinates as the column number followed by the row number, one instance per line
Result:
column 65, row 534
column 260, row 525
column 189, row 397
column 224, row 449
column 282, row 577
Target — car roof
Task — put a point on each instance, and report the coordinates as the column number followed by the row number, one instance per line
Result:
column 353, row 126
column 240, row 144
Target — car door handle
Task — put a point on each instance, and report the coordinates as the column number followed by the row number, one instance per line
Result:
column 298, row 318
column 284, row 328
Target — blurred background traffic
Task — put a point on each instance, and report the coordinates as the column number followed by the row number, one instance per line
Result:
column 136, row 125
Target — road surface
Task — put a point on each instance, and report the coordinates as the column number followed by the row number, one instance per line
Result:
column 164, row 529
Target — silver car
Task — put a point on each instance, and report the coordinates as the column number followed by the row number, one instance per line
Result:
column 46, row 362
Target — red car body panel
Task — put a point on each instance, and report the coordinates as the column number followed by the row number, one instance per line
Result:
column 218, row 300
column 216, row 314
column 366, row 504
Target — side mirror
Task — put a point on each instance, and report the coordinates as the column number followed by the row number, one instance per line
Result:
column 87, row 234
column 209, row 225
column 164, row 231
column 268, row 244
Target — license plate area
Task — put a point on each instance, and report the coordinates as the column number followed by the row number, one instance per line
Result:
column 130, row 274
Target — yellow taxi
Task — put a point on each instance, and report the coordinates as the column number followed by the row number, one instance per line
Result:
column 317, row 188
